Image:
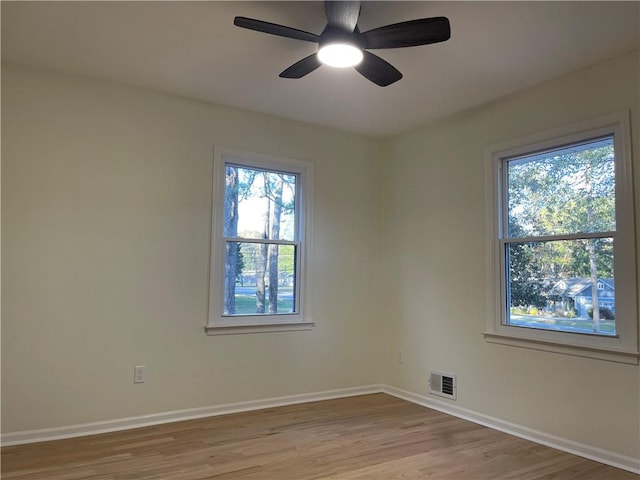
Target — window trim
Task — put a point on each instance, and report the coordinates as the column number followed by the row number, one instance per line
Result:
column 620, row 348
column 219, row 324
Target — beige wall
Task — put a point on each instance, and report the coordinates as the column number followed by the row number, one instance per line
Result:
column 434, row 224
column 106, row 217
column 106, row 204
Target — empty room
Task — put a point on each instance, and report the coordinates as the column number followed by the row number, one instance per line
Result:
column 320, row 240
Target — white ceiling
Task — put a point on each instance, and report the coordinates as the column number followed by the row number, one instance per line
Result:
column 192, row 49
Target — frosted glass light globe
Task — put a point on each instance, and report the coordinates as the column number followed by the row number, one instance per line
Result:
column 340, row 55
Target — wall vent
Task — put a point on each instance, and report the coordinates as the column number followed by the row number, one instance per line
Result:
column 442, row 384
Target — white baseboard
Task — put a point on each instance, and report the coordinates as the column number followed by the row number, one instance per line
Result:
column 80, row 430
column 592, row 453
column 587, row 451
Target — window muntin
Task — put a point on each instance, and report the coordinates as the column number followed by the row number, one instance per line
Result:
column 260, row 233
column 560, row 227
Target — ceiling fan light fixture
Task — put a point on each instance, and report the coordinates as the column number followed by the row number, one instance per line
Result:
column 340, row 55
column 342, row 44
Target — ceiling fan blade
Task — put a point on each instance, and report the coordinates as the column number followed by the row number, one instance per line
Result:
column 342, row 15
column 408, row 34
column 275, row 29
column 302, row 68
column 377, row 70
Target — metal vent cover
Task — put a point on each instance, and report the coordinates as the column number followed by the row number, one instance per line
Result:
column 442, row 384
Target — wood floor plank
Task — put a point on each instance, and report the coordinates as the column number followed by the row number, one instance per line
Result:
column 367, row 437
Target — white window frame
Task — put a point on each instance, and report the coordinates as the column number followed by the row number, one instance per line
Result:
column 623, row 347
column 220, row 324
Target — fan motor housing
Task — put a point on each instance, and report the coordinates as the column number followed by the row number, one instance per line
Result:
column 332, row 35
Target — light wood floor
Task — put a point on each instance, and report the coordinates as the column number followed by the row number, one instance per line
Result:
column 367, row 437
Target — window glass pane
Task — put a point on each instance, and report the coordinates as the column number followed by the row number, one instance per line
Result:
column 554, row 285
column 259, row 203
column 260, row 279
column 564, row 191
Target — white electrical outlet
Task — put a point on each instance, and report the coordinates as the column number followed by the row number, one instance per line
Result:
column 138, row 374
column 400, row 355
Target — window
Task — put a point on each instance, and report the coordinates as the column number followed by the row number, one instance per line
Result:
column 259, row 243
column 562, row 251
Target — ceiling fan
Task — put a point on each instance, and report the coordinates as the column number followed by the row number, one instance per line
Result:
column 341, row 44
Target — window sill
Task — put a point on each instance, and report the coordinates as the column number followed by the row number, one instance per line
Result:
column 618, row 356
column 257, row 328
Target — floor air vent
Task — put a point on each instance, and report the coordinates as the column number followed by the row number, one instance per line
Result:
column 442, row 384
